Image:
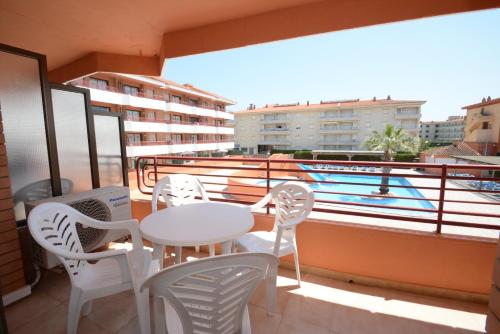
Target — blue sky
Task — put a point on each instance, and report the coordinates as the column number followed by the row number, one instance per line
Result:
column 449, row 61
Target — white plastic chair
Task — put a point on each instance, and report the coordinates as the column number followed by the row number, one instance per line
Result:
column 180, row 189
column 293, row 203
column 53, row 226
column 211, row 295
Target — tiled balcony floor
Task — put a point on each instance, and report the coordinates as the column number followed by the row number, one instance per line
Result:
column 321, row 305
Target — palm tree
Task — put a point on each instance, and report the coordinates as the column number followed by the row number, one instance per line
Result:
column 391, row 141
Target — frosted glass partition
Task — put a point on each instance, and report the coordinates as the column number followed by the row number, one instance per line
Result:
column 22, row 111
column 109, row 154
column 70, row 121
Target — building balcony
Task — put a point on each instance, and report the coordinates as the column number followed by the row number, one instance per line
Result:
column 339, row 129
column 274, row 142
column 338, row 117
column 408, row 115
column 275, row 130
column 113, row 97
column 274, row 120
column 169, row 147
column 150, row 125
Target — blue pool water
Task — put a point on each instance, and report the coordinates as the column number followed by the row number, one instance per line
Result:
column 367, row 189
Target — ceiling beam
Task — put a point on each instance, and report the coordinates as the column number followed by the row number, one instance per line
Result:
column 308, row 19
column 106, row 62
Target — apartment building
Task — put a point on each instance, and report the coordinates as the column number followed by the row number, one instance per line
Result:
column 443, row 132
column 329, row 125
column 482, row 126
column 162, row 117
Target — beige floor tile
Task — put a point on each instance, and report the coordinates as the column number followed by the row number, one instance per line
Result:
column 261, row 322
column 310, row 310
column 296, row 326
column 29, row 308
column 114, row 312
column 132, row 327
column 54, row 322
column 56, row 285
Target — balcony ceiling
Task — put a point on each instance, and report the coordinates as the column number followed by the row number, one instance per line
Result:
column 81, row 37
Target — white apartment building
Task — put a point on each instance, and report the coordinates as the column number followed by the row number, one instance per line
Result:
column 442, row 132
column 162, row 117
column 332, row 125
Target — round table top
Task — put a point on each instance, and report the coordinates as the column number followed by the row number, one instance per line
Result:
column 194, row 224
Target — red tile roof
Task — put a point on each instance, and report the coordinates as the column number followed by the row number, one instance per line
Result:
column 483, row 104
column 340, row 104
column 460, row 149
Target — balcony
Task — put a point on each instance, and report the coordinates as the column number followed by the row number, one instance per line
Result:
column 407, row 115
column 338, row 117
column 140, row 124
column 272, row 120
column 339, row 129
column 113, row 96
column 275, row 130
column 171, row 147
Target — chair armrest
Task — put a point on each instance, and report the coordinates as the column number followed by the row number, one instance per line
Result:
column 89, row 256
column 260, row 204
column 287, row 225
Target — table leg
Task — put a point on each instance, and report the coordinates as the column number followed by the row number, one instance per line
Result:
column 226, row 247
column 158, row 253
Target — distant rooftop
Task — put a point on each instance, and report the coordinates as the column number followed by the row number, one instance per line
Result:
column 485, row 102
column 460, row 149
column 489, row 160
column 353, row 103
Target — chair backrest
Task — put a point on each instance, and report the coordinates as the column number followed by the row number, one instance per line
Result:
column 53, row 226
column 293, row 203
column 178, row 189
column 210, row 295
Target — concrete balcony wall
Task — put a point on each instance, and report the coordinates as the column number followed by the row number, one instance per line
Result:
column 482, row 136
column 134, row 151
column 159, row 127
column 415, row 261
column 142, row 102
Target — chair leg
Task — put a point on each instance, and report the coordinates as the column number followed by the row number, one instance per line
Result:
column 142, row 301
column 246, row 327
column 271, row 290
column 211, row 250
column 197, row 248
column 74, row 308
column 87, row 308
column 297, row 268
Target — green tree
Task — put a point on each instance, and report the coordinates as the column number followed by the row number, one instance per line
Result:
column 390, row 141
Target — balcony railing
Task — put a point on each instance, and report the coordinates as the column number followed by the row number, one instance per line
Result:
column 181, row 142
column 338, row 116
column 255, row 181
column 171, row 121
column 158, row 97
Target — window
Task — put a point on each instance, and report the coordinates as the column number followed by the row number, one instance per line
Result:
column 193, row 102
column 131, row 90
column 176, row 99
column 133, row 138
column 193, row 120
column 133, row 115
column 219, row 122
column 98, row 83
column 100, row 109
column 177, row 138
column 194, row 139
column 218, row 107
column 176, row 119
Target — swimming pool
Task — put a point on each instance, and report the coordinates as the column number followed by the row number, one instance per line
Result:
column 367, row 189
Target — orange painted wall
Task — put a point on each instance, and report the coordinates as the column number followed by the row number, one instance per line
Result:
column 418, row 258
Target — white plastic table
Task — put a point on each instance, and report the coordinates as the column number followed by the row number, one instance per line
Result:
column 194, row 224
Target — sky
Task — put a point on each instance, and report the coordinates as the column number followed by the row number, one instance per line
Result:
column 449, row 61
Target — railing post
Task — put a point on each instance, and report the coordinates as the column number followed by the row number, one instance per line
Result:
column 268, row 183
column 444, row 173
column 138, row 172
column 156, row 169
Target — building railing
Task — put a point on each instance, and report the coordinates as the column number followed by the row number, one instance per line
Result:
column 181, row 142
column 265, row 172
column 342, row 116
column 171, row 121
column 273, row 129
column 159, row 97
